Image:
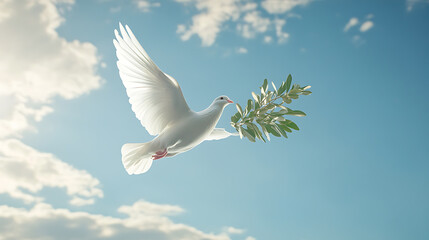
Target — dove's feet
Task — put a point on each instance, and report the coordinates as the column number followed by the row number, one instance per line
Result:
column 159, row 154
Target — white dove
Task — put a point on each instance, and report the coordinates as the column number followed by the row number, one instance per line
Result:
column 158, row 102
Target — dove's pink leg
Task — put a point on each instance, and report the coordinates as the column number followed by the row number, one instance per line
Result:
column 159, row 154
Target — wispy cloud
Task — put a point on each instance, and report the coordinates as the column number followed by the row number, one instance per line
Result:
column 278, row 7
column 357, row 39
column 281, row 36
column 233, row 230
column 268, row 39
column 208, row 22
column 411, row 3
column 242, row 50
column 366, row 26
column 248, row 17
column 351, row 23
column 253, row 24
column 146, row 5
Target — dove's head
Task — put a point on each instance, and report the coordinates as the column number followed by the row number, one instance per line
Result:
column 222, row 101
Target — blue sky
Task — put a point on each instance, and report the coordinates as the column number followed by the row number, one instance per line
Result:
column 357, row 169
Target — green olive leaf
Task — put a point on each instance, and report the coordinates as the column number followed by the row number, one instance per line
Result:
column 265, row 114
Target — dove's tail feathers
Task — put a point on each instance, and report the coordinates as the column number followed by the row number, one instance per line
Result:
column 136, row 157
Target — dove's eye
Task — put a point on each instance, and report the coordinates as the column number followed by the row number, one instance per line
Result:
column 221, row 98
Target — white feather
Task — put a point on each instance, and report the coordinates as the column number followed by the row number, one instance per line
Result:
column 220, row 133
column 136, row 157
column 155, row 97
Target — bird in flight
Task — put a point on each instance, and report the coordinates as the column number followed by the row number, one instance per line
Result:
column 158, row 102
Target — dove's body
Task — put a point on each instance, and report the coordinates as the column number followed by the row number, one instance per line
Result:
column 189, row 132
column 158, row 102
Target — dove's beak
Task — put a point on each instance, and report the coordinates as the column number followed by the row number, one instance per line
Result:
column 229, row 101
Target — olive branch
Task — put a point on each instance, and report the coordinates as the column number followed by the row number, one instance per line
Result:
column 268, row 111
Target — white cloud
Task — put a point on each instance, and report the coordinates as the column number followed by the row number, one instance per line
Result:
column 233, row 230
column 36, row 64
column 278, row 7
column 143, row 208
column 352, row 22
column 253, row 24
column 25, row 171
column 294, row 15
column 17, row 116
column 146, row 5
column 14, row 122
column 213, row 17
column 411, row 3
column 45, row 222
column 281, row 36
column 366, row 26
column 250, row 238
column 4, row 11
column 268, row 39
column 242, row 50
column 210, row 19
column 357, row 40
column 248, row 6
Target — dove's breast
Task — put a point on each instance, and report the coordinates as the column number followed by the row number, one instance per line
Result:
column 190, row 132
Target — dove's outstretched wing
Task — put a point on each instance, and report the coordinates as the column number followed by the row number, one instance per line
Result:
column 220, row 133
column 155, row 97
